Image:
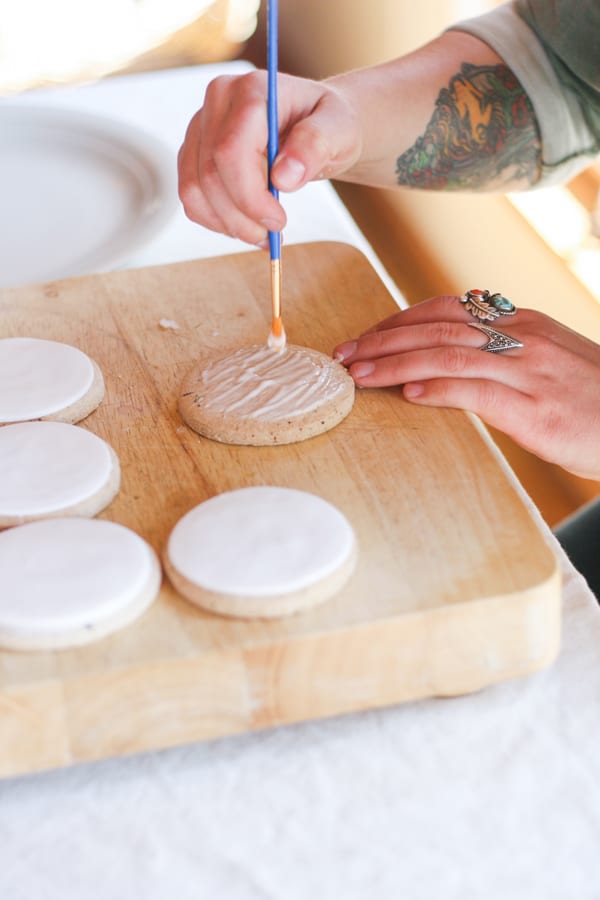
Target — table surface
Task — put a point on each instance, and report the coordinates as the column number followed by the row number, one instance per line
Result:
column 495, row 794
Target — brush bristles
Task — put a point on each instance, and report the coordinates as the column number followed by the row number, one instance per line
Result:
column 277, row 339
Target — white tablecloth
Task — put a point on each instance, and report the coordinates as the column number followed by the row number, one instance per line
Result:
column 494, row 795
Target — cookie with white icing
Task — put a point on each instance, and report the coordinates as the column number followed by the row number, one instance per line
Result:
column 67, row 582
column 261, row 552
column 54, row 469
column 261, row 396
column 42, row 379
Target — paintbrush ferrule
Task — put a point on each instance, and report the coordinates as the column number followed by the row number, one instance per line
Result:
column 276, row 287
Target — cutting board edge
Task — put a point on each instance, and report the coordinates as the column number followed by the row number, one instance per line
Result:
column 224, row 693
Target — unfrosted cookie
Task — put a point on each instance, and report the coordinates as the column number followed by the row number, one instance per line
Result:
column 68, row 581
column 260, row 396
column 51, row 468
column 261, row 552
column 46, row 380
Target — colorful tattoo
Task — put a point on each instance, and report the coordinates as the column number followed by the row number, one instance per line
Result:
column 482, row 135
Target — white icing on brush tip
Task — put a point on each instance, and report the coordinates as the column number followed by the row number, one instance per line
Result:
column 277, row 342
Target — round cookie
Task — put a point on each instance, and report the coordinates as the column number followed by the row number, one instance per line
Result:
column 42, row 379
column 261, row 396
column 260, row 552
column 50, row 469
column 70, row 581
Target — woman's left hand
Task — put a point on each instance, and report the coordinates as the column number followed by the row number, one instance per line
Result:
column 545, row 395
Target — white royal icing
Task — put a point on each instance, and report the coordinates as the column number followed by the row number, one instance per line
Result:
column 260, row 541
column 38, row 378
column 49, row 466
column 261, row 383
column 63, row 575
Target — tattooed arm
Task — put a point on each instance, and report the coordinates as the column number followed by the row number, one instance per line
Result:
column 482, row 136
column 456, row 119
column 450, row 116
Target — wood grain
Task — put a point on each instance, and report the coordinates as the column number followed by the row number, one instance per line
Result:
column 455, row 587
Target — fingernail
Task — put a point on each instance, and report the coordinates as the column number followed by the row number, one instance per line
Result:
column 290, row 173
column 271, row 224
column 263, row 245
column 360, row 370
column 345, row 351
column 413, row 390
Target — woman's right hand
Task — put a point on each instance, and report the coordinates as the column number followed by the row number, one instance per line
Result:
column 223, row 160
column 354, row 127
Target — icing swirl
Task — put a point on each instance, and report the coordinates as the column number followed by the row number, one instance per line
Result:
column 260, row 383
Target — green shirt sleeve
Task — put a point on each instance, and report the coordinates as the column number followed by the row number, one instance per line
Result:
column 553, row 47
column 570, row 33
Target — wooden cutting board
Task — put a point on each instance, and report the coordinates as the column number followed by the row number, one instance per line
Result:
column 455, row 587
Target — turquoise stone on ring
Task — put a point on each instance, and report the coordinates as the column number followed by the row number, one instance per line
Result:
column 502, row 304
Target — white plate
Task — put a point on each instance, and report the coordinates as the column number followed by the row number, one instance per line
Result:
column 79, row 192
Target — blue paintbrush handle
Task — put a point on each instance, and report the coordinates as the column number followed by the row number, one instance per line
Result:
column 273, row 122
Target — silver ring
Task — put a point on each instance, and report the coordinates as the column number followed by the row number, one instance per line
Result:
column 498, row 341
column 486, row 306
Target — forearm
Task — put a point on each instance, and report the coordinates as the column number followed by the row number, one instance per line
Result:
column 450, row 116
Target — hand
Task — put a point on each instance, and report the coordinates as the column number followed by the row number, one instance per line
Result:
column 545, row 395
column 223, row 161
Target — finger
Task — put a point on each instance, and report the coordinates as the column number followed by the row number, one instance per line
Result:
column 248, row 194
column 198, row 209
column 438, row 362
column 501, row 406
column 193, row 198
column 195, row 204
column 225, row 209
column 449, row 307
column 206, row 201
column 377, row 344
column 444, row 306
column 190, row 194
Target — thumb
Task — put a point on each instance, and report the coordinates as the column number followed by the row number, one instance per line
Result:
column 324, row 144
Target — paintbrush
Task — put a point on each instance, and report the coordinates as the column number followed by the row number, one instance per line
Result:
column 276, row 338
